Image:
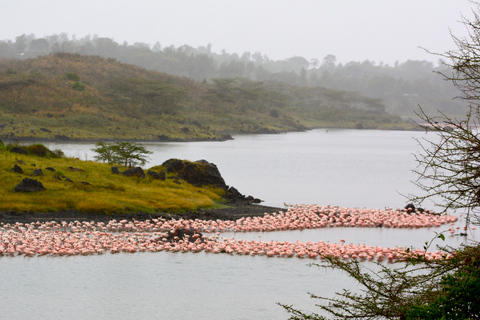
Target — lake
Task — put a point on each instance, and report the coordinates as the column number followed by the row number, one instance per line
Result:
column 349, row 168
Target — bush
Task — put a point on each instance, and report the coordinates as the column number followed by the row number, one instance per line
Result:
column 78, row 86
column 72, row 76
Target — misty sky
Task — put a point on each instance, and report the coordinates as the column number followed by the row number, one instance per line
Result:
column 352, row 30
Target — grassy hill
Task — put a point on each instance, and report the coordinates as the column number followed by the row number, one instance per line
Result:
column 88, row 186
column 70, row 96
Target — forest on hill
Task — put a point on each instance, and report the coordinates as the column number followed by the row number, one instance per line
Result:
column 73, row 96
column 401, row 87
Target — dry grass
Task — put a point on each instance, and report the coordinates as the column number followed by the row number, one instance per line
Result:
column 105, row 192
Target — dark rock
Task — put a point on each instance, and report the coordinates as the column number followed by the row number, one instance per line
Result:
column 154, row 175
column 38, row 172
column 19, row 150
column 68, row 179
column 180, row 234
column 115, row 170
column 45, row 130
column 410, row 207
column 85, row 183
column 17, row 169
column 29, row 185
column 50, row 169
column 134, row 172
column 198, row 173
column 234, row 196
column 75, row 169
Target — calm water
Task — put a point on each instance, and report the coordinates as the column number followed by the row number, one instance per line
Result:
column 338, row 167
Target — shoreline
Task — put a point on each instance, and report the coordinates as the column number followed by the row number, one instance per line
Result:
column 225, row 136
column 233, row 212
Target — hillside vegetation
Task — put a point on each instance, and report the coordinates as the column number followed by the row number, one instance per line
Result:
column 70, row 96
column 88, row 186
column 402, row 86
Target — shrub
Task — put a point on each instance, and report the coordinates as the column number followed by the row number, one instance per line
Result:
column 72, row 76
column 78, row 86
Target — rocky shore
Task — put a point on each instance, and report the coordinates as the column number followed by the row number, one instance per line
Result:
column 233, row 212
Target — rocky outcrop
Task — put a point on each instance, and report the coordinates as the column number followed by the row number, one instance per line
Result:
column 134, row 172
column 17, row 169
column 156, row 175
column 202, row 172
column 29, row 185
column 19, row 150
column 198, row 173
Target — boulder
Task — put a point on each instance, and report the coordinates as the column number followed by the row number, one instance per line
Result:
column 29, row 185
column 38, row 172
column 115, row 170
column 16, row 168
column 19, row 150
column 198, row 173
column 234, row 196
column 156, row 175
column 50, row 169
column 134, row 172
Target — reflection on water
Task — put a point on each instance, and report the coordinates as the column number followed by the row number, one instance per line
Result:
column 342, row 167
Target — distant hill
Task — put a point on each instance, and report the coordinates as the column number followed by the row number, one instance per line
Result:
column 402, row 86
column 72, row 96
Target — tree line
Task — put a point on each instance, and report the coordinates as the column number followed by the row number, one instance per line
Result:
column 402, row 86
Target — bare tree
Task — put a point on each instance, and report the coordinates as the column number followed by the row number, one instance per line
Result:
column 449, row 165
column 449, row 173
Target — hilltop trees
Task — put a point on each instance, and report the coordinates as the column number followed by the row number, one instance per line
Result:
column 402, row 86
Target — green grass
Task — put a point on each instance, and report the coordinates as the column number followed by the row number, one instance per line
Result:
column 105, row 191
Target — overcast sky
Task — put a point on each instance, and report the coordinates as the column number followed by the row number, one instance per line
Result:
column 352, row 30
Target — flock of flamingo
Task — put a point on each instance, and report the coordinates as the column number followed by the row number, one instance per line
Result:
column 184, row 235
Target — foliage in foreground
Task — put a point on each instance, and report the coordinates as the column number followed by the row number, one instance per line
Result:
column 93, row 188
column 439, row 289
column 448, row 172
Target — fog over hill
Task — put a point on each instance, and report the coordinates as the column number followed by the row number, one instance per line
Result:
column 402, row 87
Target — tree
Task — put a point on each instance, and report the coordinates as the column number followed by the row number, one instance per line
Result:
column 438, row 289
column 126, row 153
column 449, row 166
column 449, row 173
